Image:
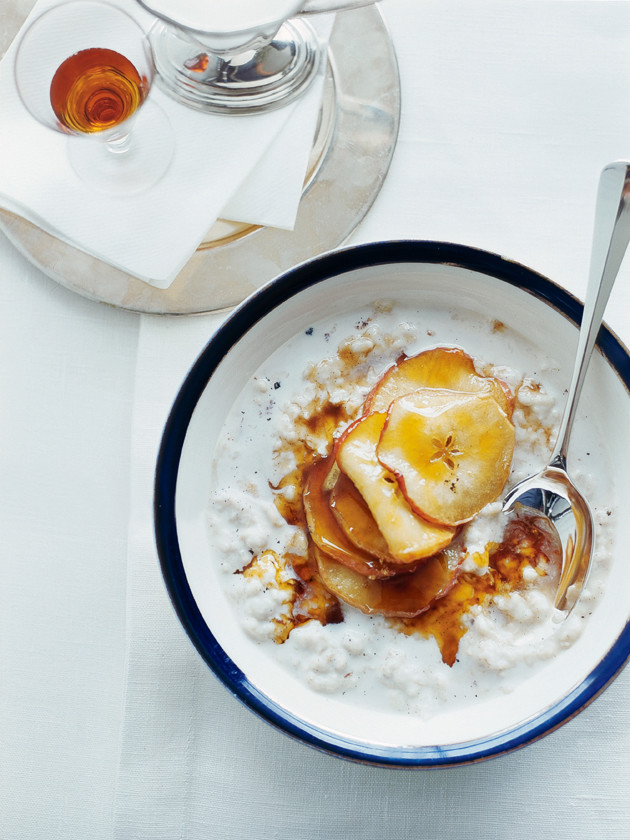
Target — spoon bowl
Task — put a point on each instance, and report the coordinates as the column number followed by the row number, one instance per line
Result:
column 552, row 491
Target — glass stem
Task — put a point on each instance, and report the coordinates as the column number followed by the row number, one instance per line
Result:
column 120, row 145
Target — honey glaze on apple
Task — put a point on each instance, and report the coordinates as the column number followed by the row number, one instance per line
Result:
column 491, row 581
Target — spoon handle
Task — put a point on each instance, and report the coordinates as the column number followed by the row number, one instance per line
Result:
column 610, row 241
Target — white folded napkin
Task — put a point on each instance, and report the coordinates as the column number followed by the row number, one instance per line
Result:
column 245, row 168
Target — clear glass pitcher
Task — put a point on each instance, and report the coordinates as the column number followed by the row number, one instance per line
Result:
column 238, row 56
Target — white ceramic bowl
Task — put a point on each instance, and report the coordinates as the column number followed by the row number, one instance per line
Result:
column 477, row 284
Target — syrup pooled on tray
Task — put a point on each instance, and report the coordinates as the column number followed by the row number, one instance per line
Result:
column 96, row 89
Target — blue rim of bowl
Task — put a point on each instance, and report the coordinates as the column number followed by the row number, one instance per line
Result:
column 242, row 319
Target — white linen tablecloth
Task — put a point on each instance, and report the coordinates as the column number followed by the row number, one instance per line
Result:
column 111, row 727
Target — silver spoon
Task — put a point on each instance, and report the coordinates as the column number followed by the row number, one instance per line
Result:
column 551, row 491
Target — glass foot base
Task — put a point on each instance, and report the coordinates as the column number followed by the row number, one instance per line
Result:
column 252, row 82
column 134, row 169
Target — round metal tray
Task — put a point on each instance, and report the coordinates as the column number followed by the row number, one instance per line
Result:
column 352, row 150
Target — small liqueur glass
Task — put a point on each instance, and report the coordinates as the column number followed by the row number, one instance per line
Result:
column 85, row 69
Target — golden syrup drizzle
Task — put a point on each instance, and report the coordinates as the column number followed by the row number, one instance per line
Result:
column 314, row 431
column 306, row 598
column 528, row 540
column 318, row 425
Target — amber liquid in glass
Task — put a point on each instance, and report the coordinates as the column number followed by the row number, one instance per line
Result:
column 96, row 89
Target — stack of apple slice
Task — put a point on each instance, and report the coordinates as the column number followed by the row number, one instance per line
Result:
column 433, row 446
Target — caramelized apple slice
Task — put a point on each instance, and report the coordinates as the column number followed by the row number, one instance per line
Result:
column 403, row 596
column 451, row 452
column 325, row 531
column 355, row 520
column 409, row 537
column 440, row 367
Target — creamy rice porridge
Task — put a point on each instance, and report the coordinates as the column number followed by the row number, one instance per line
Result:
column 494, row 626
